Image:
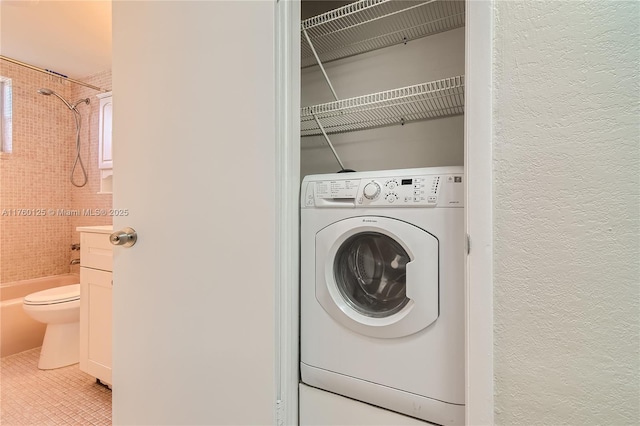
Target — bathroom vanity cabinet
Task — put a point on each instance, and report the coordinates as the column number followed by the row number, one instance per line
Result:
column 96, row 259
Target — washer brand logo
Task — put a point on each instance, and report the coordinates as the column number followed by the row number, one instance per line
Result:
column 369, row 220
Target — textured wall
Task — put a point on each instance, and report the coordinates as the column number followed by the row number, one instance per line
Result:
column 566, row 209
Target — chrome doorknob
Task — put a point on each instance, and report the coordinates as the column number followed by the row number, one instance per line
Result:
column 125, row 238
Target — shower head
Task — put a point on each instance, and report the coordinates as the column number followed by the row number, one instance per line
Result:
column 48, row 92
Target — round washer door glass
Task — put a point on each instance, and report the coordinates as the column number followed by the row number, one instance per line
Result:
column 370, row 273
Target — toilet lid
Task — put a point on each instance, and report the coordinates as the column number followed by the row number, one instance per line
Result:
column 62, row 294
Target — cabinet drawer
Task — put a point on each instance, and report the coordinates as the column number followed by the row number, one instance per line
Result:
column 96, row 251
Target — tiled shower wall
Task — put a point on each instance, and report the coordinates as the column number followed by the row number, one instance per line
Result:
column 35, row 238
column 34, row 176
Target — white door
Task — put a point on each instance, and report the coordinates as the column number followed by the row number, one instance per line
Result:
column 377, row 276
column 194, row 170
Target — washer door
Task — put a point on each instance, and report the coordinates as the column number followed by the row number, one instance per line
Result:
column 378, row 276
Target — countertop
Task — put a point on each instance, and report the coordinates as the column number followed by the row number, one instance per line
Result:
column 102, row 229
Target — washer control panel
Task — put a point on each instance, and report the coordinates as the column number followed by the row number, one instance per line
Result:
column 418, row 190
column 424, row 190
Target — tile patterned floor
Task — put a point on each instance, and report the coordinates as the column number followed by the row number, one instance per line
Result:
column 64, row 396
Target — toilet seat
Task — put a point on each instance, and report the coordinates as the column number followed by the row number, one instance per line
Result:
column 67, row 293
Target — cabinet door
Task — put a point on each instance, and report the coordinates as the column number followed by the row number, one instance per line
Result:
column 95, row 323
column 105, row 161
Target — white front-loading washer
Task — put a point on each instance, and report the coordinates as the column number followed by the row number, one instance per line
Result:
column 382, row 289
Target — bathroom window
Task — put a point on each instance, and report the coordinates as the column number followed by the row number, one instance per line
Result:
column 5, row 114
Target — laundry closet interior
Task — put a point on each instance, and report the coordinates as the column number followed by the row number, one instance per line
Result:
column 418, row 46
column 381, row 89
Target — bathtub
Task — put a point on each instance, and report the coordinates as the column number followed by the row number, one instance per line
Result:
column 18, row 332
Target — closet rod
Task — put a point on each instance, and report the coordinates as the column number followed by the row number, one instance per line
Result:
column 51, row 73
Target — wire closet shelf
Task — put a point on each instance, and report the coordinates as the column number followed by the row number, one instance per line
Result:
column 436, row 99
column 367, row 25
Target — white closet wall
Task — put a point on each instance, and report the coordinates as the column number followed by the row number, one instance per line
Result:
column 437, row 142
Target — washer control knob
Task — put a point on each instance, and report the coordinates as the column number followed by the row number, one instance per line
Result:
column 371, row 190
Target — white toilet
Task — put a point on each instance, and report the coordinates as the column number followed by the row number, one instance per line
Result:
column 59, row 308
